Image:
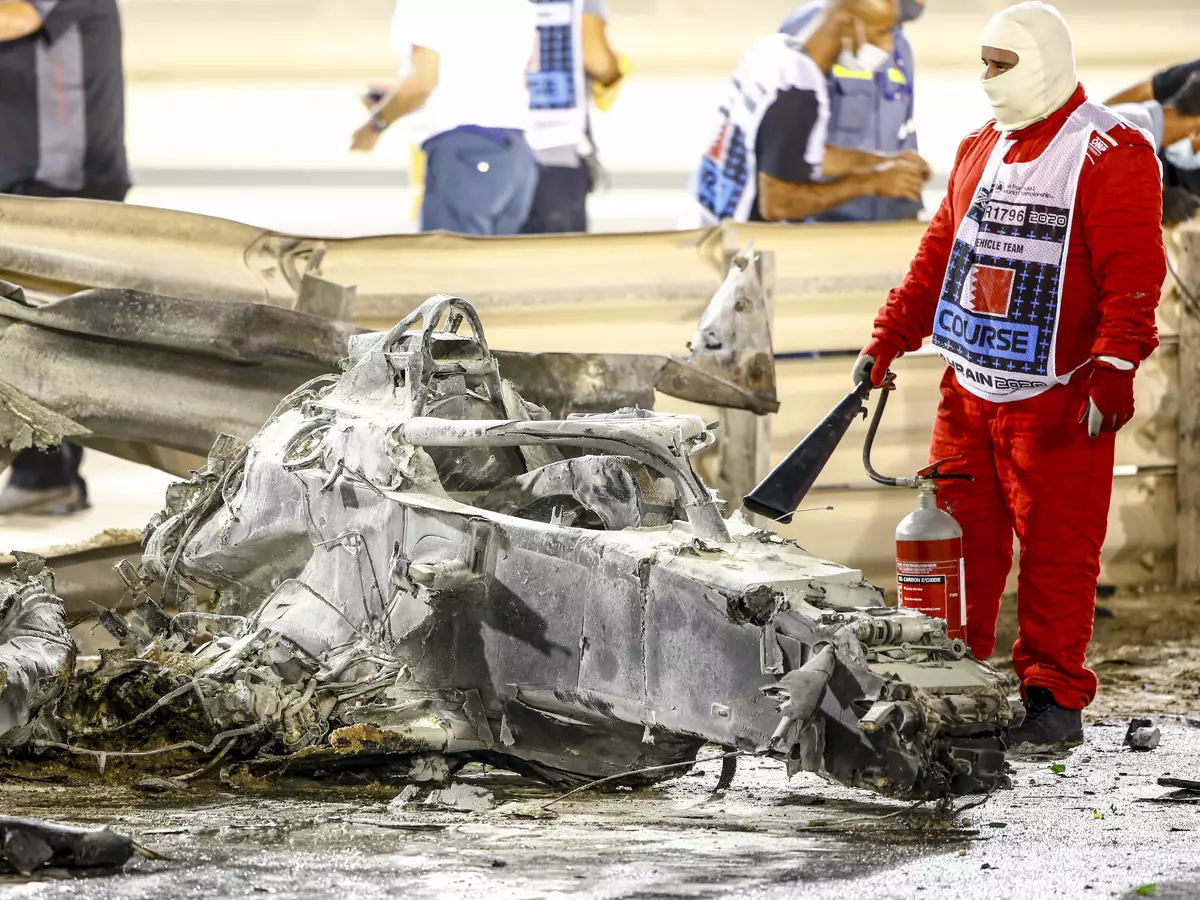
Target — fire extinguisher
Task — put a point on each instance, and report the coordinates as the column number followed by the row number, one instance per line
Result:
column 930, row 569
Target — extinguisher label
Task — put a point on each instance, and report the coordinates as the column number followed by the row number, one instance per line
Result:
column 929, row 579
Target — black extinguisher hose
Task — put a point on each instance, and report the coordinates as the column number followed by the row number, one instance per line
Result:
column 870, row 440
column 932, row 472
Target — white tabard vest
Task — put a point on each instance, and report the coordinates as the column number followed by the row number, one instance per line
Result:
column 997, row 318
column 558, row 89
column 726, row 184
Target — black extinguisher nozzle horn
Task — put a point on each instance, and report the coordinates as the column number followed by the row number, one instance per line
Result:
column 782, row 516
column 780, row 494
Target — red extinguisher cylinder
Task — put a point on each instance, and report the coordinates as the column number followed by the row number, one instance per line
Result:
column 929, row 563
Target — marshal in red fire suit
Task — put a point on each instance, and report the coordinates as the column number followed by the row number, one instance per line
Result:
column 1036, row 469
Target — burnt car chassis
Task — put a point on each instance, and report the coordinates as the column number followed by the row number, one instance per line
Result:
column 409, row 567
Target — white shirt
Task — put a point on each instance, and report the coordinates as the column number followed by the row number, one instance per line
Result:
column 485, row 48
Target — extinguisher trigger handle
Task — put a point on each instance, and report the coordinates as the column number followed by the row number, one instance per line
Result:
column 934, row 471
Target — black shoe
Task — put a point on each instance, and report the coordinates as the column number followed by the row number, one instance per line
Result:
column 1046, row 725
column 55, row 501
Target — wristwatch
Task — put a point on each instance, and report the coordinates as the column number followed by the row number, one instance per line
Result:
column 378, row 123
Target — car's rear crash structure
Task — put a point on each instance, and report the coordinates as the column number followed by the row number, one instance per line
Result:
column 410, row 567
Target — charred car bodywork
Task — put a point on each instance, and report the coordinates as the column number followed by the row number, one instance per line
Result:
column 410, row 566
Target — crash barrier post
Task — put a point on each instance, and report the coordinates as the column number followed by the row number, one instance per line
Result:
column 744, row 441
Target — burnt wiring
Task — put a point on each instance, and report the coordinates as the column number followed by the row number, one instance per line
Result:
column 620, row 776
column 212, row 617
column 955, row 812
column 361, row 541
column 327, row 602
column 211, row 764
column 895, row 814
column 943, row 811
column 102, row 756
column 189, row 686
column 204, row 505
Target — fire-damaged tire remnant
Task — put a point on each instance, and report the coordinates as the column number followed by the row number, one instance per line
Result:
column 37, row 654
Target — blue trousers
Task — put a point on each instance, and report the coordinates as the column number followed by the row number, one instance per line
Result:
column 476, row 184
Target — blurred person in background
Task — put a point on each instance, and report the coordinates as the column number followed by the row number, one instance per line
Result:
column 871, row 111
column 1038, row 279
column 1168, row 106
column 62, row 134
column 575, row 60
column 769, row 159
column 463, row 69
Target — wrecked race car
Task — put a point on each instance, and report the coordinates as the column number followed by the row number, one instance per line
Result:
column 410, row 568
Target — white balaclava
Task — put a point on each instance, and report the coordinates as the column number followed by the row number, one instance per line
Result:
column 1044, row 79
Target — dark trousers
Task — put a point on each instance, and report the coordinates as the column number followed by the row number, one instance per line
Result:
column 1036, row 472
column 560, row 202
column 35, row 469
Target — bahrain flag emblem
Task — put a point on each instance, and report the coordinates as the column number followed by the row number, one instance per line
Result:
column 988, row 291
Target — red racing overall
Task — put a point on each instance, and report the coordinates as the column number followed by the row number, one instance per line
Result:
column 1060, row 261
